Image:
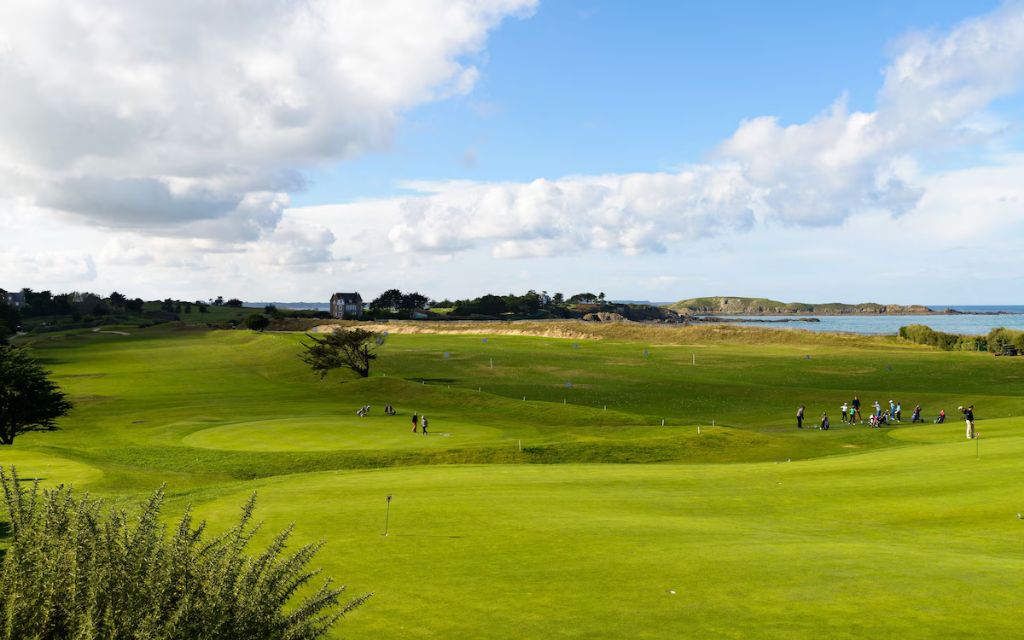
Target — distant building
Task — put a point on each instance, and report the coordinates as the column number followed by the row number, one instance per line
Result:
column 15, row 300
column 346, row 305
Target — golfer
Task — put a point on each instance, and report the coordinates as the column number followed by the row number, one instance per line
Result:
column 845, row 409
column 424, row 423
column 969, row 417
column 800, row 418
column 856, row 409
column 415, row 420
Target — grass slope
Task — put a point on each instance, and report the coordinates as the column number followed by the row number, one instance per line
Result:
column 866, row 533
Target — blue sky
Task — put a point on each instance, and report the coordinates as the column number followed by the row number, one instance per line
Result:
column 282, row 150
column 614, row 87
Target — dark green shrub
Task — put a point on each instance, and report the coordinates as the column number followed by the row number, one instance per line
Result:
column 74, row 571
column 998, row 338
column 920, row 334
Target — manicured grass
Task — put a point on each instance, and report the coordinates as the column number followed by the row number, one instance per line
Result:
column 911, row 543
column 505, row 528
column 332, row 433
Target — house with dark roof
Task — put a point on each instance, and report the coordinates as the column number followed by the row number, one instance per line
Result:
column 15, row 300
column 346, row 305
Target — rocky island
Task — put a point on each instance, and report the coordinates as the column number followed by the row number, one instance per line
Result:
column 726, row 306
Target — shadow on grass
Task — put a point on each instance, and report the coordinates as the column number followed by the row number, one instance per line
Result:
column 433, row 380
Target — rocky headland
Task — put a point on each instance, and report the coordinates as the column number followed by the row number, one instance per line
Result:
column 725, row 306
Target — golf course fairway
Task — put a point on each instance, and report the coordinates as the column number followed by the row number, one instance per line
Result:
column 592, row 508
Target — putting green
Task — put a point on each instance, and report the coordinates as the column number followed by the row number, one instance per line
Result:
column 333, row 433
column 916, row 542
column 49, row 470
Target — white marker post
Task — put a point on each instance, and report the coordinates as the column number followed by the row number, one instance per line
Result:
column 695, row 358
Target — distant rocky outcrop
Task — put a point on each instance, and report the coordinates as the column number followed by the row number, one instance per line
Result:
column 765, row 307
column 633, row 313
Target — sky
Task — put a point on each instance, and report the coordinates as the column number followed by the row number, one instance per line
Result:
column 282, row 150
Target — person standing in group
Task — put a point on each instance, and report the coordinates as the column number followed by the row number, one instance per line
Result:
column 892, row 409
column 424, row 424
column 969, row 417
column 844, row 408
column 855, row 409
column 415, row 421
column 800, row 418
column 917, row 415
column 824, row 422
column 899, row 410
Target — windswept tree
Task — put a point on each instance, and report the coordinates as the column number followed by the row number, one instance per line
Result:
column 118, row 300
column 257, row 322
column 390, row 299
column 343, row 349
column 29, row 400
column 413, row 300
column 234, row 302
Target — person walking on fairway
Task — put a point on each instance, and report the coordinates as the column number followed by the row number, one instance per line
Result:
column 899, row 412
column 800, row 418
column 415, row 420
column 856, row 409
column 845, row 408
column 424, row 425
column 969, row 417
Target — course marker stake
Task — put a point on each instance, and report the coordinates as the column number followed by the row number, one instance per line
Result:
column 387, row 515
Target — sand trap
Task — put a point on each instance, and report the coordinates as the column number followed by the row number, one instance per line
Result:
column 120, row 333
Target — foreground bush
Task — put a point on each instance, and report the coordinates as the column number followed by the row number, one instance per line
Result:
column 74, row 571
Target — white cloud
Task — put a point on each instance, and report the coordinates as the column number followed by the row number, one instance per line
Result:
column 194, row 118
column 935, row 95
column 65, row 267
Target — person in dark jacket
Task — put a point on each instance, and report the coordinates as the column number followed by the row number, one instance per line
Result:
column 800, row 418
column 856, row 409
column 969, row 417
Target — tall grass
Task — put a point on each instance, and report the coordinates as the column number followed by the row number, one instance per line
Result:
column 630, row 332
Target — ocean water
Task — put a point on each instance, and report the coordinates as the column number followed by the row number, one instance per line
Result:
column 890, row 325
